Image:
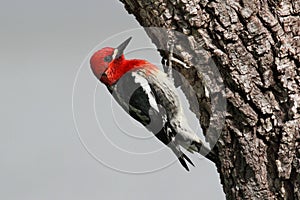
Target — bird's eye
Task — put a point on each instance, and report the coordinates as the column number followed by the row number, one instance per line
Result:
column 107, row 58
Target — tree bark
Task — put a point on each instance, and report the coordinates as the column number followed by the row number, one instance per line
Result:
column 256, row 47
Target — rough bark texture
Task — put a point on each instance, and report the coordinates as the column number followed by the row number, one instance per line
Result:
column 256, row 47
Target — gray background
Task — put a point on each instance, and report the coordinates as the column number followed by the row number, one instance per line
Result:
column 43, row 46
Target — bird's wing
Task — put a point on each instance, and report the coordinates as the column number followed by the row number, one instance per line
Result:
column 135, row 96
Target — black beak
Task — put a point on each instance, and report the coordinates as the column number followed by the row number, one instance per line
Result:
column 120, row 49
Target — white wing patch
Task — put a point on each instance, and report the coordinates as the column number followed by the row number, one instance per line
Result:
column 147, row 89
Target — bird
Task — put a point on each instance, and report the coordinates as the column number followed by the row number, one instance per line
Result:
column 149, row 96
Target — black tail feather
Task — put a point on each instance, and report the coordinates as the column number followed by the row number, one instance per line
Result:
column 188, row 159
column 182, row 157
column 183, row 163
column 164, row 136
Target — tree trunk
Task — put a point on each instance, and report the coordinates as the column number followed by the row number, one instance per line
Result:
column 256, row 48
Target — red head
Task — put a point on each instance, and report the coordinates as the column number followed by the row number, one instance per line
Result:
column 109, row 64
column 105, row 61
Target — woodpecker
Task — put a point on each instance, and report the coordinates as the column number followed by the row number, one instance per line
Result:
column 149, row 96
